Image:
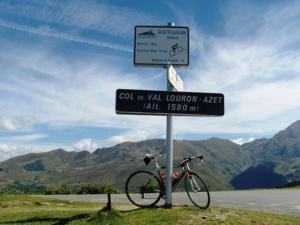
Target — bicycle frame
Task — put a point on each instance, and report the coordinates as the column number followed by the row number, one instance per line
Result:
column 185, row 172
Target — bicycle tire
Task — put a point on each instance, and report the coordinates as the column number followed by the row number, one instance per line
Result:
column 179, row 49
column 172, row 53
column 143, row 189
column 197, row 190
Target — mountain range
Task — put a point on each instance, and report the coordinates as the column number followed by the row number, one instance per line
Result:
column 262, row 163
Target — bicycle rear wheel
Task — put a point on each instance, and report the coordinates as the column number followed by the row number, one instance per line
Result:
column 143, row 189
column 197, row 190
column 171, row 53
column 179, row 49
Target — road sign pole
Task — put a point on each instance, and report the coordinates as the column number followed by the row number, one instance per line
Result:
column 169, row 151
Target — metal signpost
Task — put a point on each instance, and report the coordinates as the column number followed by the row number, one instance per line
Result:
column 167, row 47
column 169, row 149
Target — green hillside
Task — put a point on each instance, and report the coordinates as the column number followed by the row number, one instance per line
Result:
column 228, row 165
column 276, row 157
column 113, row 165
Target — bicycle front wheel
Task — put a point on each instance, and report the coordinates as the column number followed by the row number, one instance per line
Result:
column 197, row 190
column 143, row 189
column 171, row 53
column 180, row 49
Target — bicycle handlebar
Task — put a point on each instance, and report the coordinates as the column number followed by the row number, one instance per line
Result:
column 149, row 157
column 188, row 159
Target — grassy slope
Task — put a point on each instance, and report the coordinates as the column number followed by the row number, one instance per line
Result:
column 31, row 210
column 224, row 160
column 17, row 209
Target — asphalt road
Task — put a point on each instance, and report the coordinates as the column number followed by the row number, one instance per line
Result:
column 285, row 201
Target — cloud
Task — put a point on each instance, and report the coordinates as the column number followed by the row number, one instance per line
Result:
column 7, row 151
column 4, row 148
column 61, row 90
column 88, row 15
column 23, row 138
column 267, row 100
column 8, row 124
column 242, row 140
column 10, row 150
column 50, row 33
column 85, row 145
column 130, row 136
column 255, row 64
column 249, row 69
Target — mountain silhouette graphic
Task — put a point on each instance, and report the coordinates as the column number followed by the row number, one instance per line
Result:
column 150, row 33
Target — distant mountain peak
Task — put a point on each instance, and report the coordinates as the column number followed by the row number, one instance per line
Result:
column 292, row 131
column 58, row 150
column 295, row 124
column 295, row 127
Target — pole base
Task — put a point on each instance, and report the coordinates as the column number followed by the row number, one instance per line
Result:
column 168, row 206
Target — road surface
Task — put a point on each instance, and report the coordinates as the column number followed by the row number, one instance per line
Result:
column 285, row 201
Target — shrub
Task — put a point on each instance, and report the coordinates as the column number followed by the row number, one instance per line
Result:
column 81, row 189
column 97, row 189
column 18, row 187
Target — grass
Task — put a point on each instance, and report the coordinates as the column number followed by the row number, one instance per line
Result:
column 26, row 210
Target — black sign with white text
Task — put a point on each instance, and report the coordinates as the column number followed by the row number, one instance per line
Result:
column 163, row 102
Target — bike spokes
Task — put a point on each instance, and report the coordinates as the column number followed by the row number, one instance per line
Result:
column 193, row 184
column 197, row 190
column 143, row 189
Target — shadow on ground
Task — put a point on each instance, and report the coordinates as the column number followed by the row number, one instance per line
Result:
column 101, row 215
column 56, row 221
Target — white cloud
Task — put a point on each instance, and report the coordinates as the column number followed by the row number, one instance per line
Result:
column 89, row 15
column 23, row 138
column 85, row 145
column 258, row 76
column 264, row 101
column 4, row 148
column 8, row 124
column 61, row 90
column 130, row 136
column 8, row 150
column 242, row 140
column 62, row 36
column 255, row 64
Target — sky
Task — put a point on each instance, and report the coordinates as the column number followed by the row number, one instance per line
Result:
column 62, row 61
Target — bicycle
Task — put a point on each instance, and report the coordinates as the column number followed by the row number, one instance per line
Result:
column 175, row 49
column 144, row 188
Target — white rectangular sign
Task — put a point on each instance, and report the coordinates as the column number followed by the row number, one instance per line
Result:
column 161, row 45
column 174, row 79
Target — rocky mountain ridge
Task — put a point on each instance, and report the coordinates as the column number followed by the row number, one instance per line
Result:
column 228, row 165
